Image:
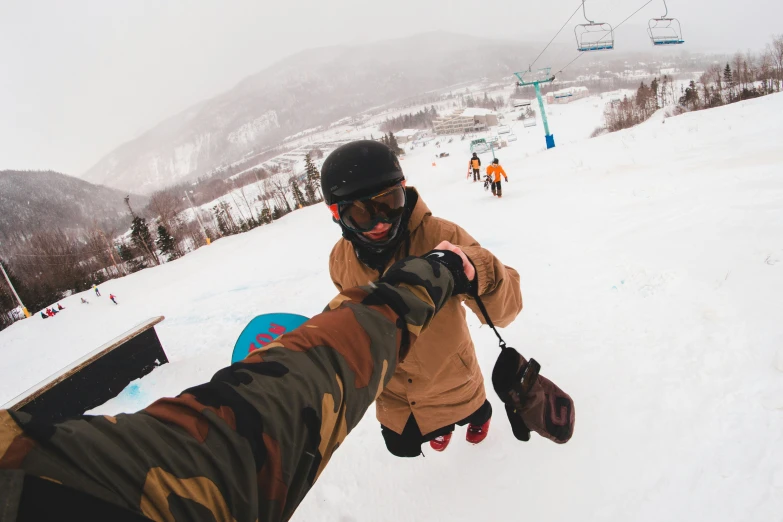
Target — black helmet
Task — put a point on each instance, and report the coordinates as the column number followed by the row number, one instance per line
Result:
column 495, row 160
column 359, row 169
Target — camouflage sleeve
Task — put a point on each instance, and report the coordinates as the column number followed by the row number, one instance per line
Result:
column 250, row 443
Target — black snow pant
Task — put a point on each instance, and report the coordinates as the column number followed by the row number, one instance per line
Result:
column 408, row 443
column 476, row 174
column 26, row 498
column 496, row 188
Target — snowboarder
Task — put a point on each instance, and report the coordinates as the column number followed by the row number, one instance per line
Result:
column 97, row 292
column 475, row 164
column 60, row 307
column 85, row 301
column 494, row 172
column 382, row 221
column 112, row 297
column 248, row 445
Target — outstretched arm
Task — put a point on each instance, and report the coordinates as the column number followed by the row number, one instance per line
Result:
column 250, row 443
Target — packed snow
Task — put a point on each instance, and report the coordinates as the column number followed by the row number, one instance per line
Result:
column 651, row 266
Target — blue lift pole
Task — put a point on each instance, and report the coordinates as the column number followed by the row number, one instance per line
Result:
column 545, row 78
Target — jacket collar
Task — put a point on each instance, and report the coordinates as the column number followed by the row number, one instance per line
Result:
column 419, row 212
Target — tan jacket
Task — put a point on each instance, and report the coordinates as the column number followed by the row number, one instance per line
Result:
column 439, row 381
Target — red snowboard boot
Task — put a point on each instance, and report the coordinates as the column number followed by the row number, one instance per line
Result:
column 477, row 433
column 440, row 443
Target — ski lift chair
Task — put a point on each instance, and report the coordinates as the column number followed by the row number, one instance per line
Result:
column 664, row 30
column 593, row 36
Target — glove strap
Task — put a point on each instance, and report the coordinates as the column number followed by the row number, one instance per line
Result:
column 484, row 312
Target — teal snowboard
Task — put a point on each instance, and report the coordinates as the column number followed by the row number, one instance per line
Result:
column 262, row 330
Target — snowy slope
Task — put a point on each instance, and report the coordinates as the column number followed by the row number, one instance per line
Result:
column 651, row 265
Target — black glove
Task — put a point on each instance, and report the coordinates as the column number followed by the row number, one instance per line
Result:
column 453, row 264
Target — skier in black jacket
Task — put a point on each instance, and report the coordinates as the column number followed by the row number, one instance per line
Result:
column 475, row 164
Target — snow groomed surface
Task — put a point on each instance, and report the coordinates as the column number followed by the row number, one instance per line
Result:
column 651, row 266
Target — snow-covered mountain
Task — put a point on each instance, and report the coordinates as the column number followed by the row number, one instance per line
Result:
column 312, row 88
column 44, row 200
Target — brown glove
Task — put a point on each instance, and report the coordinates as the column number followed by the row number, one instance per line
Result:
column 532, row 401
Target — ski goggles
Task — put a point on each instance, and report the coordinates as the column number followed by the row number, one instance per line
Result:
column 361, row 215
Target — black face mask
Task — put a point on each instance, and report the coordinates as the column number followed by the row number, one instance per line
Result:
column 377, row 254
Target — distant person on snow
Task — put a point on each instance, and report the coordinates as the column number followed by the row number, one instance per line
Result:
column 494, row 172
column 43, row 315
column 475, row 164
column 60, row 307
column 85, row 301
column 382, row 221
column 97, row 292
column 112, row 297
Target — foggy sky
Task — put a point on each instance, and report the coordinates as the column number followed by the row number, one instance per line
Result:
column 79, row 78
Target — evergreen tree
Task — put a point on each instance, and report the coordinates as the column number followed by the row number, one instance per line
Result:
column 142, row 239
column 221, row 221
column 654, row 90
column 297, row 192
column 313, row 181
column 166, row 243
column 728, row 80
column 690, row 98
column 129, row 257
column 391, row 141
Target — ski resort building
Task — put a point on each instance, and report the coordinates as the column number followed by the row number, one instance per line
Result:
column 567, row 95
column 466, row 120
column 406, row 135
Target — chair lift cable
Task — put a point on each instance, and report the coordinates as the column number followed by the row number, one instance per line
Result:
column 530, row 67
column 616, row 27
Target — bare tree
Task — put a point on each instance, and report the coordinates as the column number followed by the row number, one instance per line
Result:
column 102, row 257
column 766, row 71
column 250, row 210
column 716, row 71
column 706, row 80
column 166, row 206
column 775, row 50
column 239, row 209
column 280, row 191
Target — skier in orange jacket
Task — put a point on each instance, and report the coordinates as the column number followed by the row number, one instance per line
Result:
column 494, row 171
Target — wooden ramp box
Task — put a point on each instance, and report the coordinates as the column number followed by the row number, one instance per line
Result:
column 95, row 378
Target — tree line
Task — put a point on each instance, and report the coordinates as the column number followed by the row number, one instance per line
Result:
column 744, row 77
column 419, row 120
column 487, row 102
